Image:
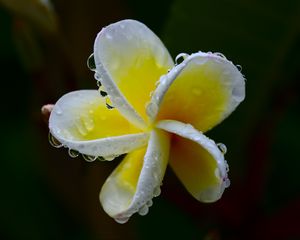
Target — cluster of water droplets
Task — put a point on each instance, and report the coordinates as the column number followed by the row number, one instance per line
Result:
column 74, row 153
column 222, row 147
column 92, row 66
column 142, row 210
column 54, row 142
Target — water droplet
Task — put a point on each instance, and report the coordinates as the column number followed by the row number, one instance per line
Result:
column 181, row 57
column 110, row 158
column 239, row 67
column 109, row 104
column 108, row 36
column 151, row 109
column 89, row 158
column 73, row 153
column 103, row 93
column 226, row 166
column 54, row 142
column 101, row 158
column 143, row 210
column 226, row 182
column 222, row 147
column 122, row 220
column 88, row 123
column 149, row 203
column 81, row 127
column 58, row 110
column 97, row 76
column 91, row 62
column 99, row 84
column 220, row 55
column 156, row 192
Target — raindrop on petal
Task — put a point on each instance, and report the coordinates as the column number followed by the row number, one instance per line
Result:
column 103, row 93
column 149, row 203
column 109, row 104
column 227, row 166
column 220, row 55
column 99, row 84
column 58, row 110
column 108, row 36
column 91, row 62
column 97, row 76
column 110, row 158
column 181, row 57
column 156, row 191
column 89, row 158
column 101, row 158
column 54, row 142
column 239, row 67
column 143, row 210
column 226, row 182
column 151, row 109
column 122, row 220
column 222, row 147
column 73, row 153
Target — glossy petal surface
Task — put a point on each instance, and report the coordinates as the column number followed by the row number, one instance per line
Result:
column 135, row 181
column 81, row 121
column 130, row 59
column 203, row 90
column 197, row 161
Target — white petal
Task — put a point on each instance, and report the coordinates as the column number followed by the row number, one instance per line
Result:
column 206, row 193
column 130, row 58
column 230, row 78
column 81, row 122
column 118, row 200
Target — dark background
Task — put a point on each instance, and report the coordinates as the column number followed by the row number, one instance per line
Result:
column 47, row 195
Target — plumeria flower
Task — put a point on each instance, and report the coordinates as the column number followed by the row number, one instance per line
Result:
column 155, row 112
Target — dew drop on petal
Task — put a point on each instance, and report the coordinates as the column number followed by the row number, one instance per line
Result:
column 97, row 76
column 109, row 104
column 226, row 166
column 110, row 158
column 58, row 110
column 108, row 36
column 181, row 57
column 220, row 55
column 151, row 109
column 101, row 158
column 91, row 62
column 143, row 210
column 149, row 203
column 89, row 158
column 222, row 147
column 156, row 191
column 122, row 220
column 99, row 84
column 226, row 182
column 103, row 93
column 239, row 67
column 73, row 153
column 54, row 142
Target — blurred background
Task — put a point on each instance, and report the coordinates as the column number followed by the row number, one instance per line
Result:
column 47, row 195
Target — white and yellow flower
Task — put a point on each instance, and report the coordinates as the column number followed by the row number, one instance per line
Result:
column 160, row 113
